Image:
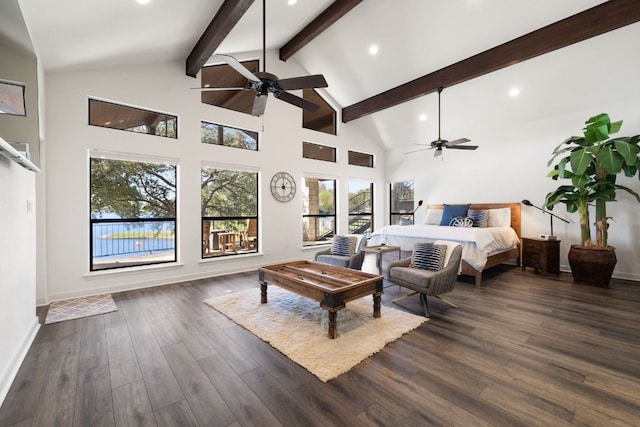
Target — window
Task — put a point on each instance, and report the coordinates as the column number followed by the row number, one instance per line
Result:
column 401, row 200
column 360, row 207
column 321, row 120
column 121, row 117
column 318, row 152
column 12, row 98
column 211, row 133
column 133, row 213
column 318, row 210
column 229, row 211
column 223, row 76
column 360, row 159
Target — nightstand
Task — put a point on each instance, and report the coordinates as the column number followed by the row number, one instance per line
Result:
column 543, row 255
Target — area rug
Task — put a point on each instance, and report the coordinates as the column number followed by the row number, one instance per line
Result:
column 76, row 308
column 297, row 327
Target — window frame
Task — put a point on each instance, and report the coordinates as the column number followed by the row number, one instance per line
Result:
column 369, row 156
column 320, row 147
column 361, row 214
column 23, row 86
column 221, row 128
column 394, row 216
column 306, row 215
column 159, row 114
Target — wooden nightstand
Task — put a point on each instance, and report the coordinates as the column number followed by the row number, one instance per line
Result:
column 543, row 255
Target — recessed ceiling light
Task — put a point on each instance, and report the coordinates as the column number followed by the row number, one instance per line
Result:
column 143, row 1
column 514, row 91
column 292, row 2
column 373, row 49
column 422, row 117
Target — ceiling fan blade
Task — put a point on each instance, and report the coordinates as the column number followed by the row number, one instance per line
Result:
column 415, row 151
column 259, row 105
column 305, row 82
column 457, row 141
column 297, row 101
column 214, row 89
column 236, row 65
column 463, row 147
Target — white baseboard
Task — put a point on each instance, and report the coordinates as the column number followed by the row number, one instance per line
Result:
column 12, row 368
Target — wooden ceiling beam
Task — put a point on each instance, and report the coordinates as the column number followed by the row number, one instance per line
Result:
column 328, row 17
column 592, row 22
column 220, row 26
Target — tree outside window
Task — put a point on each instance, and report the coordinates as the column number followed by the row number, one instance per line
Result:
column 318, row 210
column 133, row 213
column 400, row 200
column 229, row 212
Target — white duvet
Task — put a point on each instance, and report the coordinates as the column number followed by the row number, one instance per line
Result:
column 477, row 243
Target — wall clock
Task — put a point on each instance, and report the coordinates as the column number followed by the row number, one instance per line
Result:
column 283, row 187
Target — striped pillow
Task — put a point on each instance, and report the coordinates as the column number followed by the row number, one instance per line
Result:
column 480, row 218
column 428, row 256
column 343, row 245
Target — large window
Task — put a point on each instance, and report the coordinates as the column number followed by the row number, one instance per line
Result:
column 400, row 201
column 12, row 98
column 318, row 210
column 360, row 207
column 212, row 133
column 133, row 213
column 131, row 119
column 229, row 211
column 321, row 120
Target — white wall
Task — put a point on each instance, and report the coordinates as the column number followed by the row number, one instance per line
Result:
column 516, row 140
column 18, row 323
column 164, row 87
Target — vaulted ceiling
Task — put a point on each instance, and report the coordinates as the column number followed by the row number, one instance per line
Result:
column 427, row 42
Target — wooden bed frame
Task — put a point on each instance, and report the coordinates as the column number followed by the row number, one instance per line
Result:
column 501, row 257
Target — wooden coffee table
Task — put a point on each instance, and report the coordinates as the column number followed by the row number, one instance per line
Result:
column 332, row 286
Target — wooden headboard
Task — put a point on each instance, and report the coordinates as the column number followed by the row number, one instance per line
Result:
column 515, row 211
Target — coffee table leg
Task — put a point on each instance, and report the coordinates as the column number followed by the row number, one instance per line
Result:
column 263, row 293
column 333, row 324
column 376, row 304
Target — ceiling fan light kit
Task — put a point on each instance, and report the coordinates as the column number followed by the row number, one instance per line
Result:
column 440, row 143
column 263, row 83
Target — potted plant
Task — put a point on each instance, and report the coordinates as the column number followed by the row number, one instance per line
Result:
column 592, row 162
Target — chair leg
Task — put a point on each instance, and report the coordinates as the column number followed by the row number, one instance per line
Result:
column 423, row 298
column 403, row 297
column 446, row 301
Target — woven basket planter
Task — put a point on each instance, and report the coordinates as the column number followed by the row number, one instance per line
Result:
column 592, row 266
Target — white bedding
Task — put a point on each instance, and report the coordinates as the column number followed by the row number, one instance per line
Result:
column 477, row 243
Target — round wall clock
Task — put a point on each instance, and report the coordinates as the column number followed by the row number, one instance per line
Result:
column 283, row 187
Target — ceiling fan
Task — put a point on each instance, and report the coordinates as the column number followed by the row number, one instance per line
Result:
column 263, row 83
column 440, row 143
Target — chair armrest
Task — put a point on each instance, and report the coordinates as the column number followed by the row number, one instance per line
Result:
column 322, row 252
column 400, row 263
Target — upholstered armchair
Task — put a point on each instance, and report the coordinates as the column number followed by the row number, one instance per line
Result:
column 345, row 251
column 421, row 275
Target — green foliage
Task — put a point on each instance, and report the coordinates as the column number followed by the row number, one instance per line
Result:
column 133, row 189
column 229, row 193
column 592, row 164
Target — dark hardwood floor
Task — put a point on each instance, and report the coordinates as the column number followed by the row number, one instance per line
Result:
column 521, row 350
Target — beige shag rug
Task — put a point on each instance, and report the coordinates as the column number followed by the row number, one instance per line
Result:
column 297, row 327
column 75, row 308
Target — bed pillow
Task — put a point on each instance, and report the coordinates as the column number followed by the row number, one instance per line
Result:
column 499, row 217
column 434, row 216
column 428, row 256
column 451, row 211
column 343, row 245
column 461, row 222
column 480, row 218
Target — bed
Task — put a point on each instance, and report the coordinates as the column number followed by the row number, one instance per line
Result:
column 482, row 248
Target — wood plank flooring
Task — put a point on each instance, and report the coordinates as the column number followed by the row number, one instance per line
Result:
column 520, row 350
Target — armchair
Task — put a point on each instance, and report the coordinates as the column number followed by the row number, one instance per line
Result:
column 428, row 282
column 335, row 256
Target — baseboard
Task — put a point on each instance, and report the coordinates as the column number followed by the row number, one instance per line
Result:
column 11, row 370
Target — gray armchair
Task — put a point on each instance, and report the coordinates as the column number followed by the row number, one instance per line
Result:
column 427, row 282
column 353, row 261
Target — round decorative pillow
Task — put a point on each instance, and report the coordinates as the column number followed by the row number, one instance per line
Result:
column 460, row 221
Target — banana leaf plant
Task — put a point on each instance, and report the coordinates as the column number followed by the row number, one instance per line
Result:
column 592, row 162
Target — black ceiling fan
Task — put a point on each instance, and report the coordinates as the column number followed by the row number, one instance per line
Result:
column 440, row 143
column 263, row 83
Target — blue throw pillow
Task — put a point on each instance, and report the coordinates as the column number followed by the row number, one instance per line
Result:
column 449, row 212
column 343, row 245
column 428, row 256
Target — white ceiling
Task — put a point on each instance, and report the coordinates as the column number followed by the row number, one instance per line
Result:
column 415, row 37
